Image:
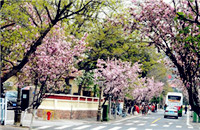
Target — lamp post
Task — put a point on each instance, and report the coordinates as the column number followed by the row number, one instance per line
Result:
column 99, row 108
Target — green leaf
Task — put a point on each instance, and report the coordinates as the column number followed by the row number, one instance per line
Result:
column 180, row 13
column 175, row 18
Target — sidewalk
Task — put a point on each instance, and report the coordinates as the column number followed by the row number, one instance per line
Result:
column 41, row 122
column 191, row 119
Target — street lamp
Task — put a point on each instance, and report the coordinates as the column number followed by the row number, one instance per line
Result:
column 100, row 83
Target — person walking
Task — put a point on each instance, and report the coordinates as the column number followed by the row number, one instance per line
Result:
column 185, row 109
column 143, row 109
column 156, row 107
column 165, row 106
column 137, row 109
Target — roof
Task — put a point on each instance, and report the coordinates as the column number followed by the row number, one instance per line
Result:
column 75, row 74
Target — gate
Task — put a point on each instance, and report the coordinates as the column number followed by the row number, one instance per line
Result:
column 3, row 108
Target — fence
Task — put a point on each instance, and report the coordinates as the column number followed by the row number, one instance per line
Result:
column 3, row 108
column 68, row 107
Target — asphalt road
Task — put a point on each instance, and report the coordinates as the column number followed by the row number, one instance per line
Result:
column 153, row 121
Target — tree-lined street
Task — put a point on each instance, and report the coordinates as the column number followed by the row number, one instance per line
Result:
column 91, row 57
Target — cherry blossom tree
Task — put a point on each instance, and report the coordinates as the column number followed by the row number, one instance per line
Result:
column 146, row 89
column 171, row 30
column 53, row 61
column 122, row 79
column 117, row 76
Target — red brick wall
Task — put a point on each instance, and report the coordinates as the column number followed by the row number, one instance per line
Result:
column 64, row 114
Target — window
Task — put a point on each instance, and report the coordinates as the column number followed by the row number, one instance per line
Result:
column 174, row 98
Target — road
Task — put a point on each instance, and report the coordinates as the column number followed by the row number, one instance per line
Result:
column 153, row 121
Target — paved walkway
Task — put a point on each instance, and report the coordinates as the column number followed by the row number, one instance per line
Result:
column 41, row 122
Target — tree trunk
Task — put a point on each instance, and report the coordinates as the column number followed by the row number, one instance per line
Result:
column 33, row 116
column 124, row 107
column 194, row 100
column 2, row 91
column 115, row 108
column 17, row 118
column 79, row 89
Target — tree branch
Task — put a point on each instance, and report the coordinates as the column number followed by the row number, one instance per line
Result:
column 38, row 14
column 63, row 10
column 186, row 19
column 1, row 4
column 58, row 10
column 84, row 7
column 48, row 13
column 27, row 55
column 29, row 16
column 8, row 25
column 9, row 62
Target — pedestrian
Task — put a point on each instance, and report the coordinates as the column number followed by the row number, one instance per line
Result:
column 130, row 107
column 134, row 109
column 165, row 106
column 146, row 109
column 137, row 109
column 156, row 107
column 185, row 109
column 143, row 109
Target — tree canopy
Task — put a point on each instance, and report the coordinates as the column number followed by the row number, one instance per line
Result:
column 174, row 30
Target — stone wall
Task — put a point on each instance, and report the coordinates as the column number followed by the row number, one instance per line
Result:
column 64, row 114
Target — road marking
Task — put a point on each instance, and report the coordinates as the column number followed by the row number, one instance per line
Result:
column 156, row 120
column 170, row 123
column 115, row 128
column 140, row 124
column 62, row 127
column 165, row 125
column 82, row 127
column 98, row 128
column 190, row 127
column 132, row 129
column 107, row 123
column 43, row 127
column 136, row 121
column 131, row 117
column 178, row 126
column 153, row 124
column 129, row 124
column 117, row 123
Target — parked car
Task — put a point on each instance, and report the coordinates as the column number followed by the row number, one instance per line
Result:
column 11, row 99
column 171, row 112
